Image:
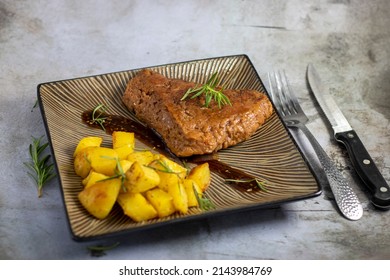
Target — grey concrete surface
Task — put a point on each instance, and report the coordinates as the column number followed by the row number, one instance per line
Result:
column 347, row 40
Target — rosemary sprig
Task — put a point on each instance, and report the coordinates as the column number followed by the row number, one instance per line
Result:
column 99, row 250
column 210, row 93
column 119, row 173
column 40, row 169
column 204, row 203
column 35, row 105
column 165, row 167
column 97, row 113
column 259, row 184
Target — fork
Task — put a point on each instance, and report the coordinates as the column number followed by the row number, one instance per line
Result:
column 287, row 105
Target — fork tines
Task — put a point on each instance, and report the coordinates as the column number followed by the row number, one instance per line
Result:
column 282, row 94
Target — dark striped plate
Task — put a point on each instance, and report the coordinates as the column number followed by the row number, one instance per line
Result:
column 270, row 155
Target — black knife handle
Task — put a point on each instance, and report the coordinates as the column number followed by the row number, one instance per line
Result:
column 366, row 168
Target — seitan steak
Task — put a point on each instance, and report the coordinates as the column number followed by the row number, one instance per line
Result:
column 187, row 127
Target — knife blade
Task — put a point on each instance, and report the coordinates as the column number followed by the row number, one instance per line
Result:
column 343, row 133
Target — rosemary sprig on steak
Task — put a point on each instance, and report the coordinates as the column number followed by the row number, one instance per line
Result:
column 210, row 91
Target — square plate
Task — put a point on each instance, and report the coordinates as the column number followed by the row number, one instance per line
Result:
column 271, row 155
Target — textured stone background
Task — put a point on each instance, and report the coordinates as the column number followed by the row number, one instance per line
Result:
column 348, row 41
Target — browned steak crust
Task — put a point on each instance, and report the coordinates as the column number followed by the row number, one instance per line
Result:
column 187, row 127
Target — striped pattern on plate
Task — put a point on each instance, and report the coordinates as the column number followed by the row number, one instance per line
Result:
column 270, row 155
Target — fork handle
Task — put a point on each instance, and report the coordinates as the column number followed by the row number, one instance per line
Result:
column 345, row 197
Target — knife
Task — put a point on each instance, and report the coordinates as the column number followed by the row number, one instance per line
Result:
column 343, row 132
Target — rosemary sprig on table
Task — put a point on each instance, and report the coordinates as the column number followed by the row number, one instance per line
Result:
column 210, row 91
column 99, row 250
column 97, row 113
column 35, row 105
column 40, row 169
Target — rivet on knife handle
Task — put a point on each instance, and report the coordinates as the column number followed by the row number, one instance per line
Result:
column 366, row 168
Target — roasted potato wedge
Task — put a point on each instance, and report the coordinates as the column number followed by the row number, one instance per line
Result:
column 179, row 197
column 103, row 160
column 136, row 206
column 190, row 186
column 99, row 198
column 125, row 165
column 93, row 178
column 124, row 151
column 82, row 162
column 161, row 201
column 89, row 141
column 169, row 171
column 166, row 165
column 145, row 184
column 122, row 139
column 123, row 143
column 201, row 175
column 143, row 157
column 140, row 178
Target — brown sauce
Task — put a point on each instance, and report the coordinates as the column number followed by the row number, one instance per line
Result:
column 152, row 139
column 142, row 133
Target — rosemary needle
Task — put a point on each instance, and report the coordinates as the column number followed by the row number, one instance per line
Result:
column 210, row 93
column 204, row 203
column 40, row 169
column 99, row 250
column 165, row 167
column 97, row 113
column 260, row 184
column 119, row 173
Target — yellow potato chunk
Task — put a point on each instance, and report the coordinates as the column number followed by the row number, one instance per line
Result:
column 167, row 165
column 161, row 201
column 123, row 143
column 82, row 162
column 143, row 157
column 104, row 160
column 125, row 165
column 90, row 141
column 124, row 151
column 169, row 171
column 136, row 206
column 99, row 198
column 167, row 180
column 191, row 187
column 179, row 197
column 140, row 178
column 201, row 175
column 93, row 178
column 145, row 184
column 123, row 139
